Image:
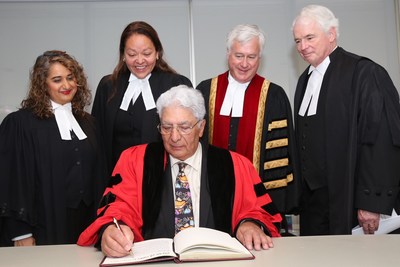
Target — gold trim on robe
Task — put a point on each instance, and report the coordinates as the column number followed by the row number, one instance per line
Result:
column 279, row 183
column 277, row 124
column 259, row 124
column 272, row 144
column 276, row 163
column 213, row 93
column 277, row 143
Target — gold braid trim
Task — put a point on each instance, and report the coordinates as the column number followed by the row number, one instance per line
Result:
column 259, row 124
column 277, row 124
column 211, row 110
column 279, row 183
column 276, row 163
column 277, row 143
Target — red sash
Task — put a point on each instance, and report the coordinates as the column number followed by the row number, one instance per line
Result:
column 251, row 123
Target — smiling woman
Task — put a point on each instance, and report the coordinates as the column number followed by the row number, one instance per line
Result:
column 61, row 83
column 51, row 167
column 124, row 103
column 56, row 71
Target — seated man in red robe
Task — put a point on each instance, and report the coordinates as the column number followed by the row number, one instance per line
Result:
column 142, row 197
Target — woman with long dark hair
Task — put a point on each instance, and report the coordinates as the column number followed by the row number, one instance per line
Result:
column 124, row 104
column 52, row 171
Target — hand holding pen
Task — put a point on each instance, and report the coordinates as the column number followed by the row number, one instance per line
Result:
column 119, row 228
column 116, row 224
column 117, row 240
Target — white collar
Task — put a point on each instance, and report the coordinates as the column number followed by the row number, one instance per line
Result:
column 234, row 98
column 322, row 67
column 194, row 161
column 135, row 87
column 309, row 103
column 66, row 121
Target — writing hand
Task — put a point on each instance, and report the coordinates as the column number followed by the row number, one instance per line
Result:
column 252, row 237
column 115, row 242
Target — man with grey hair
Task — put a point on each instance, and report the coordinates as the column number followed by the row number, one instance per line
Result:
column 252, row 116
column 347, row 118
column 215, row 192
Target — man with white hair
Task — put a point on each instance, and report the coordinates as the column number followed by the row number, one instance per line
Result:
column 347, row 119
column 252, row 116
column 146, row 202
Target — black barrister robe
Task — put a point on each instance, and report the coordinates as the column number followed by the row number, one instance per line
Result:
column 41, row 176
column 360, row 105
column 141, row 124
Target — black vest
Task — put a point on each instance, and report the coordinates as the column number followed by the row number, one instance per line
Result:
column 311, row 140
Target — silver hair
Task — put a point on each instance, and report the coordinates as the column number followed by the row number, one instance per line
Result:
column 183, row 96
column 320, row 14
column 244, row 33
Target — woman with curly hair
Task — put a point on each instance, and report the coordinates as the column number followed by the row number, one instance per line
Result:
column 52, row 168
column 124, row 105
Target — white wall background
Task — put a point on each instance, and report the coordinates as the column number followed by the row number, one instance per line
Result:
column 193, row 34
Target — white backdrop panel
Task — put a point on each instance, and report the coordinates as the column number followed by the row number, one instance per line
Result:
column 90, row 31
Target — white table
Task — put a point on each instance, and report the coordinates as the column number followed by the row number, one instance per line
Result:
column 342, row 251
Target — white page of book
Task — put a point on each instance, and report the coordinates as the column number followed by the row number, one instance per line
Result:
column 142, row 251
column 206, row 238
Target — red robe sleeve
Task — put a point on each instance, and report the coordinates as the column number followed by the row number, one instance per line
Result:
column 246, row 204
column 127, row 206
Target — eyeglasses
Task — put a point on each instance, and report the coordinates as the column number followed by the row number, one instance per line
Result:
column 181, row 128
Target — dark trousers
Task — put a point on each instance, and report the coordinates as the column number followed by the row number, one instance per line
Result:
column 314, row 213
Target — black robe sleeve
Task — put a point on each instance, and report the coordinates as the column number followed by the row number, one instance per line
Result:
column 16, row 169
column 35, row 182
column 286, row 195
column 378, row 178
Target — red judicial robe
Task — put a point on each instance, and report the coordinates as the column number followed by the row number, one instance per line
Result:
column 129, row 196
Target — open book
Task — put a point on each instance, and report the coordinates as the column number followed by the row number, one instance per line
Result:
column 193, row 244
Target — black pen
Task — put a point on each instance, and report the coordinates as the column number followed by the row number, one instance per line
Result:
column 119, row 228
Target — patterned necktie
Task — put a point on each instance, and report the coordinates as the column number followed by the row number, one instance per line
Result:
column 183, row 201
